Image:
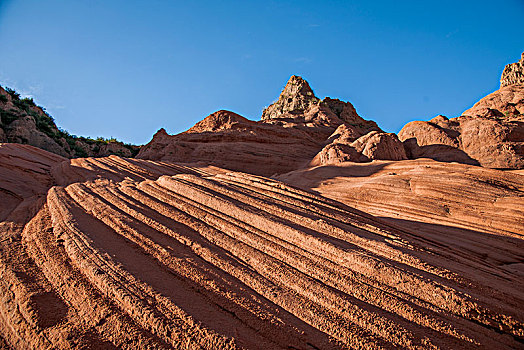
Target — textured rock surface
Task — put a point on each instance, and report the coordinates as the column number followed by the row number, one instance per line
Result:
column 292, row 131
column 423, row 190
column 493, row 142
column 296, row 98
column 513, row 73
column 119, row 256
column 24, row 130
column 507, row 103
column 371, row 146
column 227, row 140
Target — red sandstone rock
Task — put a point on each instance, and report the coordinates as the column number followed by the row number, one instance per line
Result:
column 373, row 145
column 506, row 103
column 119, row 256
column 140, row 254
column 292, row 131
column 490, row 134
column 228, row 140
column 491, row 142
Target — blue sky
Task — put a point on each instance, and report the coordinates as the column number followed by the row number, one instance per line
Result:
column 127, row 68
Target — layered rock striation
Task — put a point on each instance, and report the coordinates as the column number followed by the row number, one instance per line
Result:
column 110, row 252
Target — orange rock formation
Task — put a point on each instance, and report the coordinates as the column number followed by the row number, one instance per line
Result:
column 349, row 245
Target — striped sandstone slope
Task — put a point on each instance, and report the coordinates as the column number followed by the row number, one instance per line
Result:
column 28, row 302
column 472, row 216
column 233, row 260
column 423, row 190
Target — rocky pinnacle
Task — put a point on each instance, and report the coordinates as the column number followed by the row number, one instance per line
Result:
column 296, row 97
column 513, row 73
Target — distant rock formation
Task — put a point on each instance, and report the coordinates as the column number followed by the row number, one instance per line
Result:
column 292, row 131
column 21, row 121
column 296, row 98
column 345, row 147
column 490, row 134
column 485, row 141
column 513, row 73
column 231, row 141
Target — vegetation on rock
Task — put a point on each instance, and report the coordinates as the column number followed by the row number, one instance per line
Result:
column 48, row 135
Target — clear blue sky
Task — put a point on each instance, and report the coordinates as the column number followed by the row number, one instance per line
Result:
column 127, row 68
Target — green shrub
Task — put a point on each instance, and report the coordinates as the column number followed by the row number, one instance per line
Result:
column 7, row 117
column 14, row 95
column 46, row 124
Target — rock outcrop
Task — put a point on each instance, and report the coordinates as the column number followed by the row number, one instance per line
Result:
column 296, row 98
column 292, row 131
column 513, row 73
column 490, row 134
column 487, row 141
column 21, row 121
column 345, row 147
column 506, row 103
column 116, row 253
column 24, row 130
column 231, row 141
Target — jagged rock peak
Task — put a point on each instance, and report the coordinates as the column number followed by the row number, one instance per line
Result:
column 296, row 97
column 513, row 73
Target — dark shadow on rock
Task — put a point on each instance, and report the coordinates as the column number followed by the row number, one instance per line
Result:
column 438, row 152
column 443, row 236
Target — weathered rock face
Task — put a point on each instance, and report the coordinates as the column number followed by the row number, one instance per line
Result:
column 380, row 146
column 115, row 253
column 513, row 73
column 21, row 121
column 24, row 130
column 487, row 141
column 374, row 145
column 345, row 111
column 231, row 141
column 490, row 134
column 506, row 103
column 296, row 98
column 292, row 131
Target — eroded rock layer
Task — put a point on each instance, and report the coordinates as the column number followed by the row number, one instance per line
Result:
column 471, row 197
column 118, row 256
